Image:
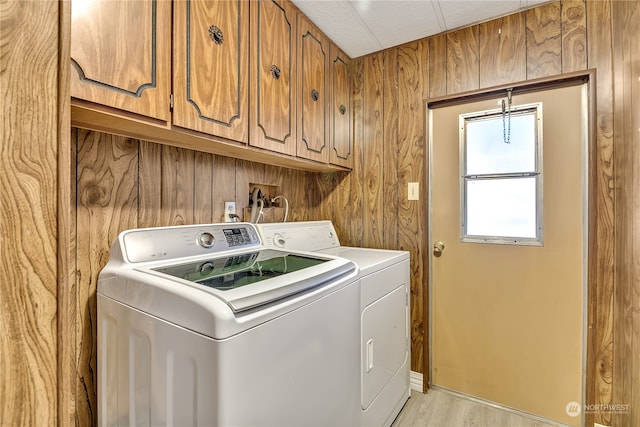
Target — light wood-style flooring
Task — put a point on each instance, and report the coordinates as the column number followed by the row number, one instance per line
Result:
column 439, row 408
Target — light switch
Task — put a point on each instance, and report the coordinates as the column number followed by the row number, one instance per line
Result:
column 414, row 191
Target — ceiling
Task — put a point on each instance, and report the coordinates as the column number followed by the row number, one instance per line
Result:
column 360, row 27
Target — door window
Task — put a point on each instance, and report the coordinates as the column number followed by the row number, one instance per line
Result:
column 501, row 176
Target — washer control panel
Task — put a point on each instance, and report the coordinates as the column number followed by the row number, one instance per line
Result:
column 303, row 236
column 154, row 244
column 237, row 236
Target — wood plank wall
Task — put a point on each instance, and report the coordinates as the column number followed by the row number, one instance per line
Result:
column 28, row 210
column 626, row 144
column 555, row 38
column 122, row 183
column 390, row 153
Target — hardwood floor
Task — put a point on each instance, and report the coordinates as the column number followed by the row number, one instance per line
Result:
column 439, row 408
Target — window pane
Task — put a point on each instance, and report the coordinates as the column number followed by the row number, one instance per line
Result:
column 487, row 153
column 501, row 207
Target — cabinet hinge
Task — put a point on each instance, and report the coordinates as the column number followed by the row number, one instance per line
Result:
column 171, row 102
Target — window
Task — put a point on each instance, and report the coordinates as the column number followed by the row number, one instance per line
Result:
column 501, row 169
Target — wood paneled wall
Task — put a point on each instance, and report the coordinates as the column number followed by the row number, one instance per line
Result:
column 390, row 152
column 120, row 183
column 390, row 148
column 28, row 212
column 626, row 145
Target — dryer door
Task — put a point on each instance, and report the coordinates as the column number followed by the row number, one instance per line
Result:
column 384, row 342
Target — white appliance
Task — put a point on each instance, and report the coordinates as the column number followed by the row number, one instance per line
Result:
column 384, row 313
column 203, row 325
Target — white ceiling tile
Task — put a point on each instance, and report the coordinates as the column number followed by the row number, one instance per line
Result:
column 460, row 13
column 361, row 27
column 391, row 26
column 343, row 25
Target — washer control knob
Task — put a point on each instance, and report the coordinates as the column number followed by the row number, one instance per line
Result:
column 279, row 240
column 206, row 239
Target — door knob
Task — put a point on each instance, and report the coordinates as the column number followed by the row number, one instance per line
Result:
column 438, row 247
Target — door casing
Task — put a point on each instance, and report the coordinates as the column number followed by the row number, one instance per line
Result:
column 587, row 79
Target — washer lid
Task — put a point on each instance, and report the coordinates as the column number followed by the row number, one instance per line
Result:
column 251, row 279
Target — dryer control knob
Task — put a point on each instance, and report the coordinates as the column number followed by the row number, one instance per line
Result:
column 279, row 240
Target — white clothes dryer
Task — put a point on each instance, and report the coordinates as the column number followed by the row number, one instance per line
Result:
column 384, row 313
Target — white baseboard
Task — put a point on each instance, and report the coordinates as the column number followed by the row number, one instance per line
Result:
column 415, row 380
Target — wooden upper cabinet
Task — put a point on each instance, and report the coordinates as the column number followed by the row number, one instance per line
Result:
column 120, row 55
column 273, row 75
column 211, row 67
column 340, row 127
column 313, row 92
column 212, row 76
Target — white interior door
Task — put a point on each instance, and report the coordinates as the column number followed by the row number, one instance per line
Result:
column 508, row 226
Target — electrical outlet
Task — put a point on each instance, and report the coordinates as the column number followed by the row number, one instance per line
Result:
column 229, row 211
column 414, row 189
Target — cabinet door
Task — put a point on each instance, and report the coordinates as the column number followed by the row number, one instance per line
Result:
column 340, row 127
column 211, row 67
column 120, row 55
column 313, row 92
column 273, row 65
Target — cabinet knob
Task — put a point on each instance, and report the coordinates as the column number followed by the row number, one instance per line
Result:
column 314, row 95
column 275, row 72
column 216, row 35
column 342, row 109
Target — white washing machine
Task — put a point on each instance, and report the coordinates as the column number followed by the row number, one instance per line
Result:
column 384, row 313
column 203, row 325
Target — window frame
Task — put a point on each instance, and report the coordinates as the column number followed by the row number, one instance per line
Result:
column 538, row 240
